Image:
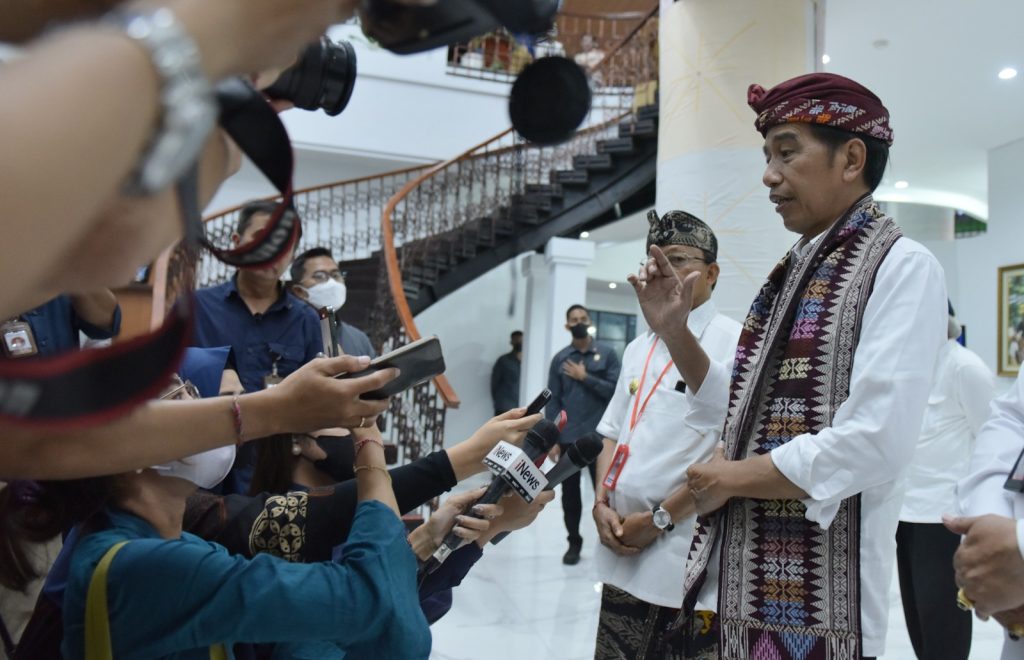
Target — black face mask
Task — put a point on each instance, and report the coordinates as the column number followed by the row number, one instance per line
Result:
column 579, row 331
column 341, row 457
column 517, row 347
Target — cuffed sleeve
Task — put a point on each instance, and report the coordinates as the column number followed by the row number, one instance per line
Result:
column 709, row 404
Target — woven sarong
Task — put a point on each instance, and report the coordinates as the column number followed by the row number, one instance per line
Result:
column 788, row 589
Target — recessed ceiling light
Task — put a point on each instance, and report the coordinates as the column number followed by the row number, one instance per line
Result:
column 825, row 59
column 900, row 185
column 613, row 285
column 584, row 234
column 1008, row 73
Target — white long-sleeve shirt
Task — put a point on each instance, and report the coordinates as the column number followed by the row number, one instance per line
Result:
column 999, row 444
column 675, row 430
column 958, row 405
column 874, row 432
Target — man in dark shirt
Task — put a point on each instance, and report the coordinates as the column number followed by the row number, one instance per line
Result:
column 317, row 279
column 271, row 332
column 505, row 376
column 582, row 380
column 56, row 324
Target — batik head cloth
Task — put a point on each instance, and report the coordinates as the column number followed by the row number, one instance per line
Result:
column 821, row 98
column 681, row 228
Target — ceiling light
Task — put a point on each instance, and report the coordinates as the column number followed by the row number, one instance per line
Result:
column 613, row 285
column 900, row 185
column 584, row 234
column 1008, row 73
column 825, row 59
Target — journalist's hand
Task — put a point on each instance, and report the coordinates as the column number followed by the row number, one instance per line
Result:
column 311, row 398
column 467, row 456
column 517, row 514
column 609, row 529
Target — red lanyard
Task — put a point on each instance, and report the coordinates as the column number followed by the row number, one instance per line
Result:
column 635, row 416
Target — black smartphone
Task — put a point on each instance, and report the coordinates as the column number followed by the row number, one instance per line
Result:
column 418, row 361
column 537, row 405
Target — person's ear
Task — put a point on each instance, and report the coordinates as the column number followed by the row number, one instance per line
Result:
column 299, row 291
column 713, row 273
column 854, row 158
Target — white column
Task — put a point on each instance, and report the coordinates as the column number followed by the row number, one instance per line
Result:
column 554, row 281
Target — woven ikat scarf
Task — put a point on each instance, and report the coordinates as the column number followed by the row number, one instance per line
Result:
column 788, row 589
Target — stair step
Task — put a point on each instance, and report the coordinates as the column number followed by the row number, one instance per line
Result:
column 526, row 215
column 642, row 128
column 593, row 162
column 624, row 145
column 542, row 203
column 499, row 224
column 419, row 274
column 550, row 189
column 570, row 177
column 647, row 112
column 412, row 291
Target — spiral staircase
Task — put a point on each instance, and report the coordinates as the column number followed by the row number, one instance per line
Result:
column 408, row 238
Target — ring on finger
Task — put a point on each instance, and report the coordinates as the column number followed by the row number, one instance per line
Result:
column 963, row 602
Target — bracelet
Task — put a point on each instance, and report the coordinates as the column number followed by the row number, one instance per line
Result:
column 237, row 411
column 357, row 469
column 603, row 500
column 362, row 443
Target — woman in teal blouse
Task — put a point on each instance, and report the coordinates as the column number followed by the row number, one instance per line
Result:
column 173, row 595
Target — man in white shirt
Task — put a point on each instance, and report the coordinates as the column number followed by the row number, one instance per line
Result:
column 958, row 405
column 666, row 413
column 990, row 561
column 800, row 502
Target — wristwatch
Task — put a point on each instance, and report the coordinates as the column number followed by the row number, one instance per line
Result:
column 662, row 518
column 188, row 110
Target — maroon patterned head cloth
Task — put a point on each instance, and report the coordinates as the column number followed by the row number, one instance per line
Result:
column 821, row 98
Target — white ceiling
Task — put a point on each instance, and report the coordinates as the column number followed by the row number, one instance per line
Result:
column 937, row 76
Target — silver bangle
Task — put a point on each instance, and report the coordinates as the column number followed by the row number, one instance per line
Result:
column 188, row 107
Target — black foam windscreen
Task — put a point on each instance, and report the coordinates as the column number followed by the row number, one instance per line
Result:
column 549, row 100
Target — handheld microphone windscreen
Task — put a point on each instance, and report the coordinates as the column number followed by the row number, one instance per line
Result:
column 549, row 100
column 540, row 439
column 576, row 457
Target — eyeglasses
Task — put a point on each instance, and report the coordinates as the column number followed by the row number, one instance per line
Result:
column 321, row 276
column 185, row 388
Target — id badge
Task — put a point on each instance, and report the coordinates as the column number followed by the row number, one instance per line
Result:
column 18, row 339
column 615, row 469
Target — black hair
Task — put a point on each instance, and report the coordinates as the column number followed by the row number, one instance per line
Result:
column 258, row 207
column 298, row 269
column 572, row 307
column 35, row 512
column 515, row 332
column 877, row 151
column 274, row 465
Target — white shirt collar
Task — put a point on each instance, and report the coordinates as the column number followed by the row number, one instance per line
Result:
column 803, row 247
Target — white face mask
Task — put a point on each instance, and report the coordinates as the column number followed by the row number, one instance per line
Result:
column 327, row 294
column 206, row 469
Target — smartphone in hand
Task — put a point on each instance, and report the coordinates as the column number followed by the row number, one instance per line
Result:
column 418, row 362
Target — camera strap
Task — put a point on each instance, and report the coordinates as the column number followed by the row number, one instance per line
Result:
column 84, row 388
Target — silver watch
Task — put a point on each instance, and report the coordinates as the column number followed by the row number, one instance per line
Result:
column 662, row 519
column 188, row 107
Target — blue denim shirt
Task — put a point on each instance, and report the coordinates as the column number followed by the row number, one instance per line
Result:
column 174, row 598
column 583, row 401
column 55, row 326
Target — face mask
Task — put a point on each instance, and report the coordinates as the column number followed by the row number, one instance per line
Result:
column 579, row 331
column 340, row 457
column 517, row 347
column 205, row 470
column 327, row 294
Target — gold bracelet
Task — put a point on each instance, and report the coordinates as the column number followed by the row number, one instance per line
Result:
column 357, row 468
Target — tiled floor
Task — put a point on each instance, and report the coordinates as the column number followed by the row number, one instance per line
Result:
column 520, row 601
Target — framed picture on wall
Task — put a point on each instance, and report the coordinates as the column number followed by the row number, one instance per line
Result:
column 1010, row 340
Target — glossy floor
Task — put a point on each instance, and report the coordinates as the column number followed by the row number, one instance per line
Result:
column 520, row 601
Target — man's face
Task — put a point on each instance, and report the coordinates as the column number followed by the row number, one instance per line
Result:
column 587, row 42
column 274, row 270
column 318, row 270
column 806, row 181
column 685, row 259
column 576, row 317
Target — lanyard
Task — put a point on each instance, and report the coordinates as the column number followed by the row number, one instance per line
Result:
column 638, row 408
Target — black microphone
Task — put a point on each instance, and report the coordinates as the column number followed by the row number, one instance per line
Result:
column 539, row 439
column 580, row 454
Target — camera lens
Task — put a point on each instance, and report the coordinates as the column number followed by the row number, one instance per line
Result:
column 322, row 79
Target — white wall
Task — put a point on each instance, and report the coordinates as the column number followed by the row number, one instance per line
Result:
column 979, row 257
